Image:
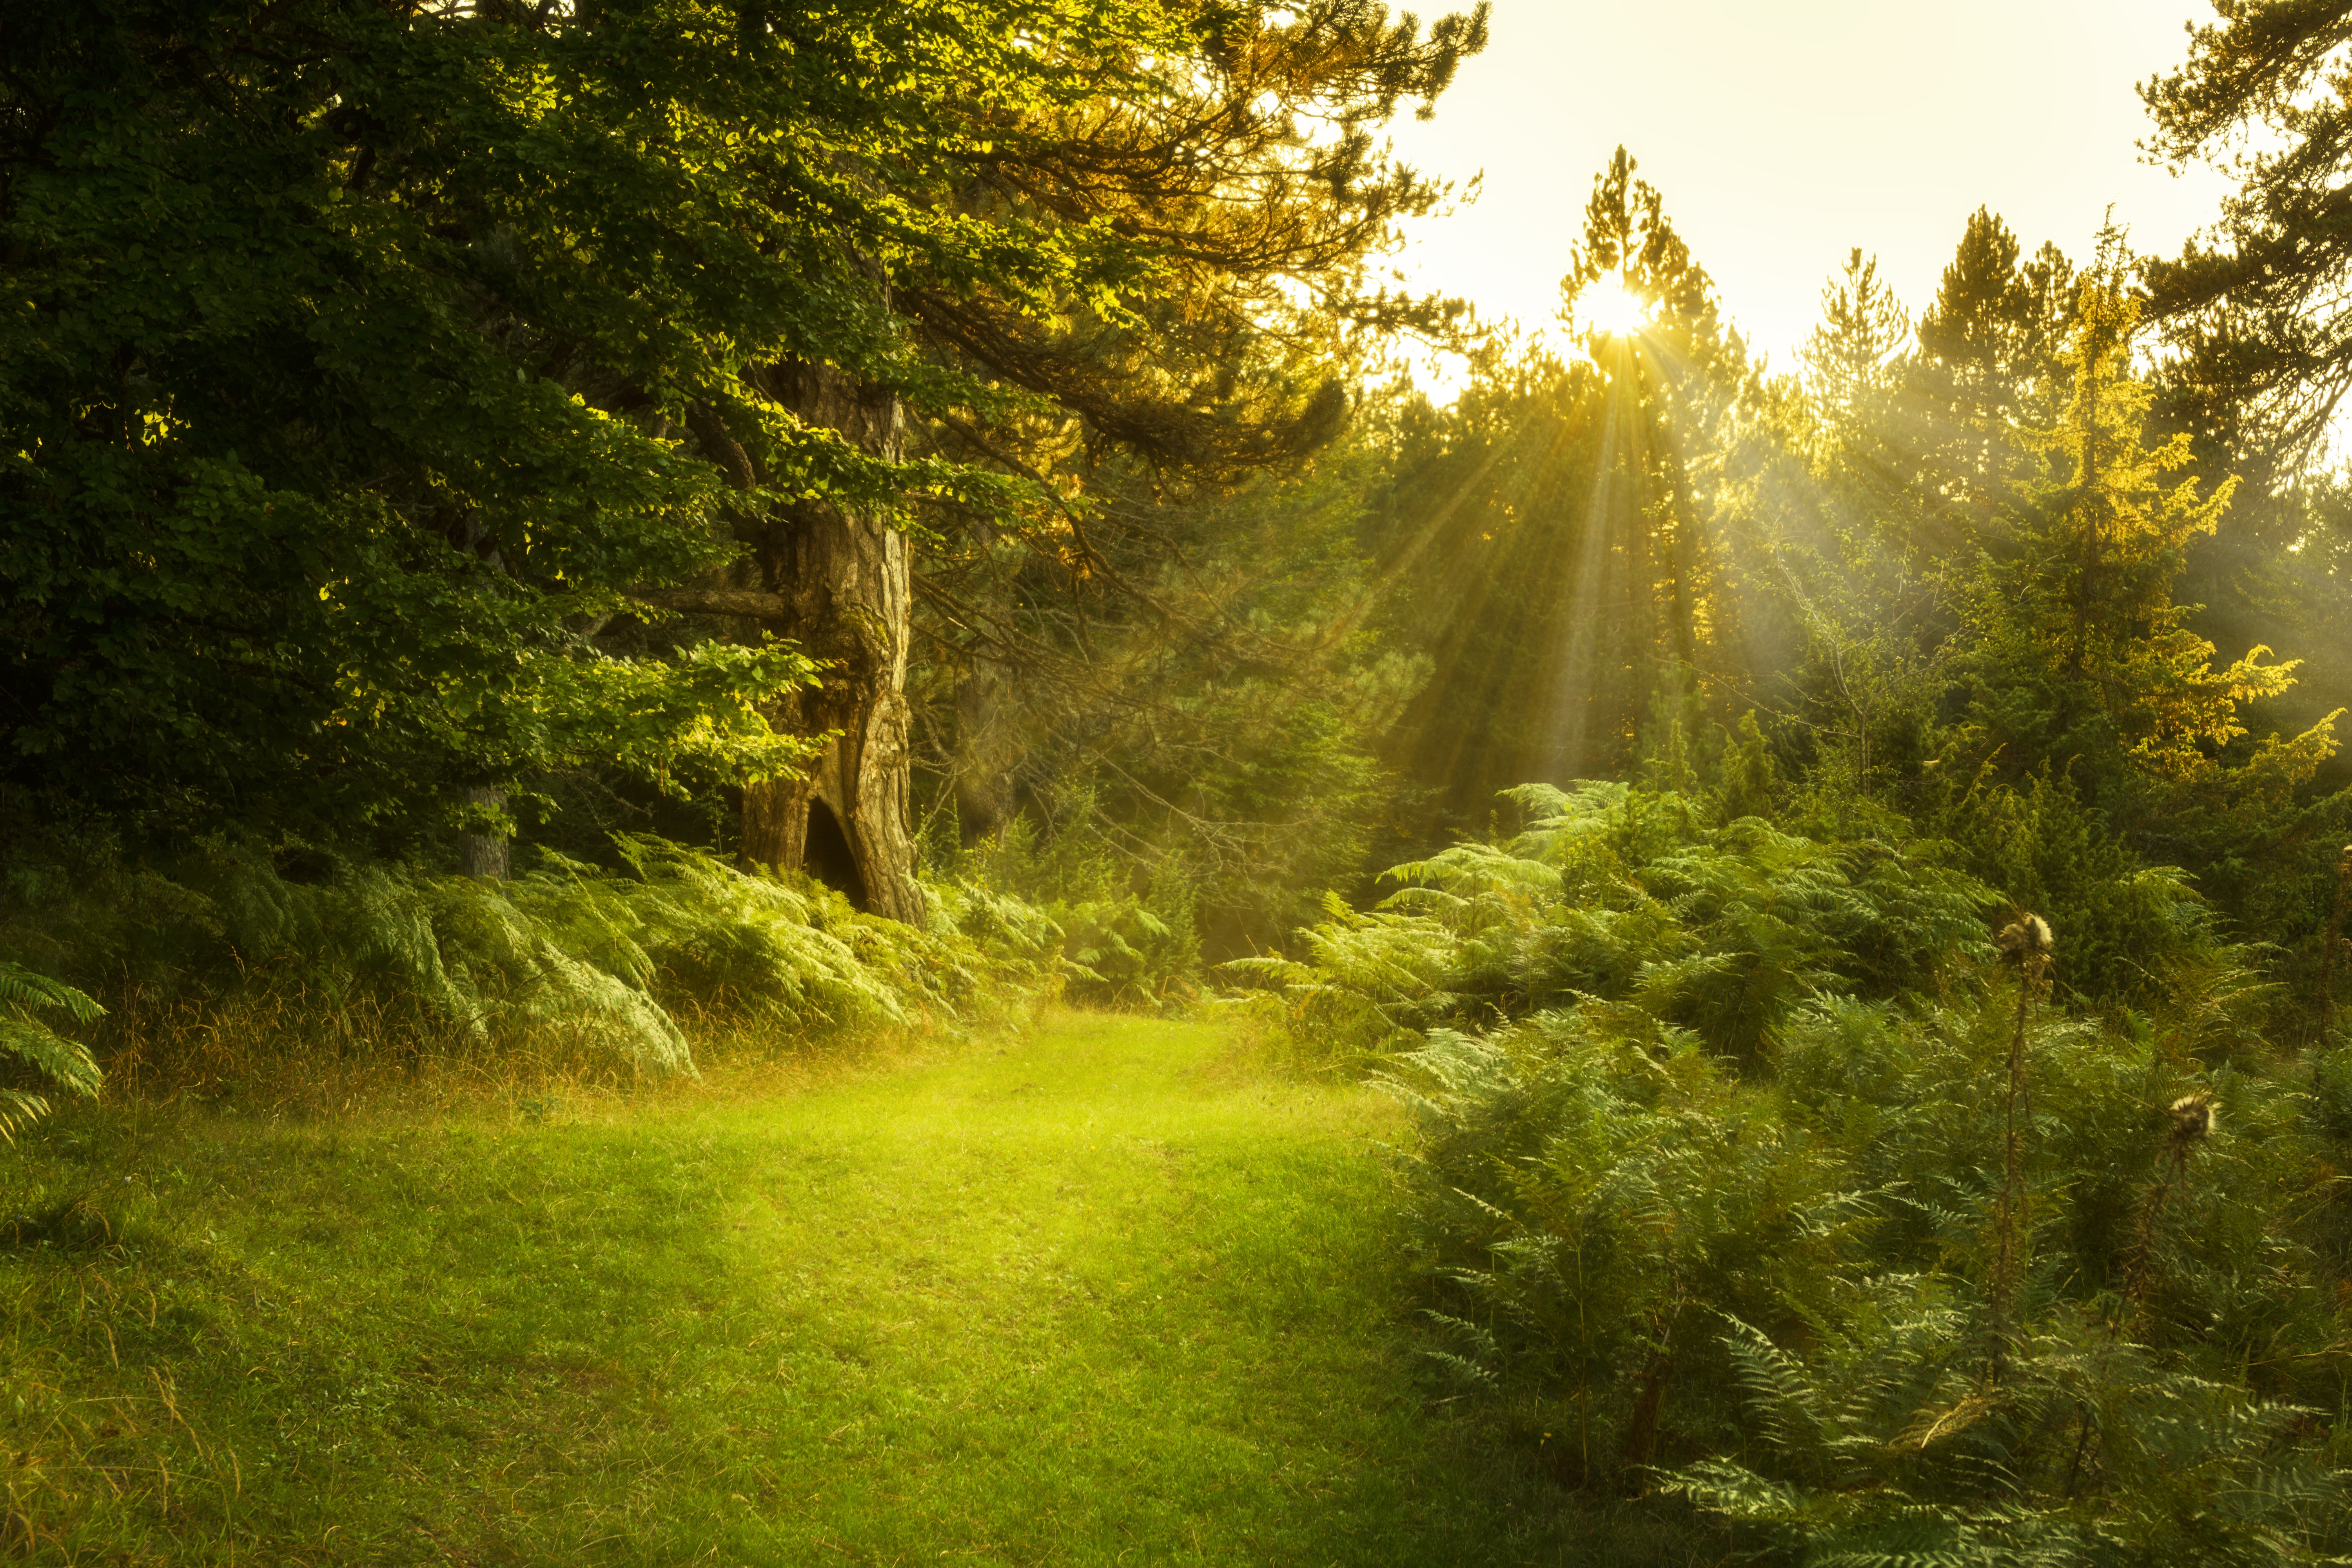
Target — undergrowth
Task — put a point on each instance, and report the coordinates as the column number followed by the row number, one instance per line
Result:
column 1131, row 938
column 1709, row 1187
column 225, row 977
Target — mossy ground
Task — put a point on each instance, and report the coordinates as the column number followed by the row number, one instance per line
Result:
column 1102, row 1292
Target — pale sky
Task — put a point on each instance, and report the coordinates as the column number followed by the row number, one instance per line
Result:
column 1782, row 133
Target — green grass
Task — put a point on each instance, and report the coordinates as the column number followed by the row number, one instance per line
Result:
column 1102, row 1294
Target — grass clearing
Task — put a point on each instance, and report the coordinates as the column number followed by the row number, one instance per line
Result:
column 1101, row 1292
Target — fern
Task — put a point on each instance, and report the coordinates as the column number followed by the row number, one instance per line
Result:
column 1881, row 1447
column 602, row 958
column 66, row 1063
column 1708, row 1131
column 1625, row 896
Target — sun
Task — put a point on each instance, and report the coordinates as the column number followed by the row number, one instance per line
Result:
column 1607, row 306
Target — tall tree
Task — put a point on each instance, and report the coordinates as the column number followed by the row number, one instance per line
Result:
column 1553, row 527
column 2258, row 316
column 2015, row 668
column 1992, row 337
column 2079, row 608
column 1666, row 377
column 424, row 313
column 2255, row 318
column 1864, row 329
column 303, row 520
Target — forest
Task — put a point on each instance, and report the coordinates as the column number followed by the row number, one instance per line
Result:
column 770, row 793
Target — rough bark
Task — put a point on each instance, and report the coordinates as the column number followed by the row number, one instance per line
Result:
column 483, row 854
column 841, row 582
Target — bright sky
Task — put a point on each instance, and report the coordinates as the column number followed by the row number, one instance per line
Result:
column 1782, row 133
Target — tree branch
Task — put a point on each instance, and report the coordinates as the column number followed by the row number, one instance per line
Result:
column 749, row 602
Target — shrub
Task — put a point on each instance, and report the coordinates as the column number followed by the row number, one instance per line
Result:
column 595, row 964
column 1709, row 1177
column 1628, row 896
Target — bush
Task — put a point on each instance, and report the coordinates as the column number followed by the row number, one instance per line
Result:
column 1120, row 945
column 1708, row 1178
column 1627, row 896
column 589, row 965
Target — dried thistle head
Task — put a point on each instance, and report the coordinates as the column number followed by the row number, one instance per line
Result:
column 2025, row 940
column 2193, row 1117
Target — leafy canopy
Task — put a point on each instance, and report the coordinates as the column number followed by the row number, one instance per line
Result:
column 363, row 361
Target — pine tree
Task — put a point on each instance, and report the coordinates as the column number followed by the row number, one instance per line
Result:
column 1555, row 527
column 2083, row 655
column 1991, row 336
column 2258, row 317
column 1849, row 356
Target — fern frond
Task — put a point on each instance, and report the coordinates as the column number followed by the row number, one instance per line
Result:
column 26, row 988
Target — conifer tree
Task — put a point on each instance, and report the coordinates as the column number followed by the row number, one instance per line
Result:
column 1663, row 378
column 1994, row 332
column 2082, row 655
column 2258, row 316
column 1555, row 525
column 1849, row 356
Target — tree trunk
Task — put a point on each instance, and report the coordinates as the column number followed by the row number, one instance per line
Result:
column 986, row 748
column 844, row 580
column 483, row 854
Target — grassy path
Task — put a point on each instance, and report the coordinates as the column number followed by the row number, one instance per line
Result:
column 1100, row 1296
